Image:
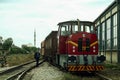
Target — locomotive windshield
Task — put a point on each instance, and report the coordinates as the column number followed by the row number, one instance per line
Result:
column 82, row 28
column 70, row 27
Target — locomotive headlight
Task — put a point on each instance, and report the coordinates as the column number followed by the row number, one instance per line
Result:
column 75, row 61
column 83, row 35
column 72, row 59
column 73, row 47
column 94, row 50
column 70, row 36
column 73, row 50
column 69, row 60
column 69, row 55
column 94, row 47
column 101, row 58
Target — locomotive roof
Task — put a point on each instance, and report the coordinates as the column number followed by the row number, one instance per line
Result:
column 75, row 22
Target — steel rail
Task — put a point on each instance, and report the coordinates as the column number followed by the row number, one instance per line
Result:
column 14, row 72
column 20, row 77
column 16, row 67
column 103, row 76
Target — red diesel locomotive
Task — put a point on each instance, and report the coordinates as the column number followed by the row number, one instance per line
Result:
column 74, row 47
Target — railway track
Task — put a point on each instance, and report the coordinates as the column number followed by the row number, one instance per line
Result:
column 92, row 76
column 89, row 75
column 21, row 76
column 102, row 77
column 18, row 72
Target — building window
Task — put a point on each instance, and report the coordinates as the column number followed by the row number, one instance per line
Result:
column 115, row 31
column 98, row 33
column 103, row 36
column 108, row 34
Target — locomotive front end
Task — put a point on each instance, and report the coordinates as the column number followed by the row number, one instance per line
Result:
column 82, row 49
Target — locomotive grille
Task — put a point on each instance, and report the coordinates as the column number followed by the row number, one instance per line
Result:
column 79, row 44
column 86, row 47
column 87, row 44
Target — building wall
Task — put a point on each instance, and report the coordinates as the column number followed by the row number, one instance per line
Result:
column 114, row 57
column 118, row 30
column 111, row 57
column 108, row 25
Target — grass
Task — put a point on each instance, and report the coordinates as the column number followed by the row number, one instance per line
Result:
column 16, row 59
column 112, row 66
column 71, row 77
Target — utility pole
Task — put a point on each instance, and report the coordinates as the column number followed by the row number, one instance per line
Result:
column 34, row 37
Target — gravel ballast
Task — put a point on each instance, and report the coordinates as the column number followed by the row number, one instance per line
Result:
column 45, row 72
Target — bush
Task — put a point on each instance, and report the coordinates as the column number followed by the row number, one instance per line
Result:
column 17, row 59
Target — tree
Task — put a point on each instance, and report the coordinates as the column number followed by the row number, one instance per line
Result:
column 7, row 44
column 24, row 47
column 29, row 49
column 16, row 50
column 5, row 47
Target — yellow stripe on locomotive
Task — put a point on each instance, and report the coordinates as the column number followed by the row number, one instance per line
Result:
column 85, row 68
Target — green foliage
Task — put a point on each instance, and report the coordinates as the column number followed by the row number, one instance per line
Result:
column 8, row 47
column 29, row 49
column 7, row 44
column 24, row 50
column 110, row 66
column 15, row 50
column 33, row 49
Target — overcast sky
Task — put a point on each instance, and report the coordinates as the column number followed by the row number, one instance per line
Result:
column 19, row 18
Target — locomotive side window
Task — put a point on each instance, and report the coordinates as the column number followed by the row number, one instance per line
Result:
column 65, row 30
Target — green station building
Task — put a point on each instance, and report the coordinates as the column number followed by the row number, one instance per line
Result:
column 108, row 30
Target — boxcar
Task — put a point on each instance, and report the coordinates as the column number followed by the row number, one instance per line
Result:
column 51, row 47
column 42, row 48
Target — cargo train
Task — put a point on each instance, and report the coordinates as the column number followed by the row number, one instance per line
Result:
column 74, row 47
